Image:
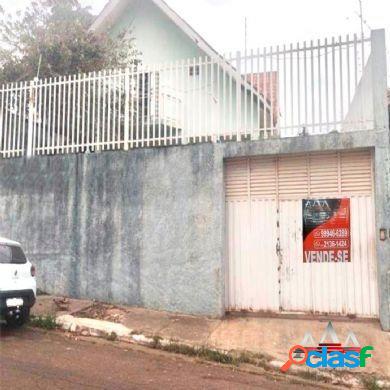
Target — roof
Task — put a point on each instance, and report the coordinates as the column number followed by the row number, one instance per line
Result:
column 113, row 11
column 267, row 84
column 114, row 8
column 7, row 241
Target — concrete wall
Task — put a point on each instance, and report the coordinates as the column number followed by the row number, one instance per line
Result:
column 146, row 227
column 141, row 228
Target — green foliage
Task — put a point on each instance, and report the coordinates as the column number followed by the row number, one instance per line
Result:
column 45, row 322
column 202, row 352
column 370, row 383
column 112, row 336
column 53, row 37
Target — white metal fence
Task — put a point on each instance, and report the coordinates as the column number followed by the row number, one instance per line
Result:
column 275, row 92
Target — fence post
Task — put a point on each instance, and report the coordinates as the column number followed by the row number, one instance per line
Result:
column 31, row 119
column 379, row 79
column 127, row 109
column 2, row 109
column 382, row 172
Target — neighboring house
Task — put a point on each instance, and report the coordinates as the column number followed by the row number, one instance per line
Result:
column 165, row 40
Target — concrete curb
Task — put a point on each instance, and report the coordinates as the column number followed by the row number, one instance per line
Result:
column 100, row 328
column 116, row 331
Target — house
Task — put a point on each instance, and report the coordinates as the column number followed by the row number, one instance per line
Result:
column 205, row 73
column 205, row 184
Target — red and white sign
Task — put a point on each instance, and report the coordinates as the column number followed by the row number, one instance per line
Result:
column 326, row 230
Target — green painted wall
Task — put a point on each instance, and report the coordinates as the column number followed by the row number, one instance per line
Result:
column 160, row 41
column 156, row 36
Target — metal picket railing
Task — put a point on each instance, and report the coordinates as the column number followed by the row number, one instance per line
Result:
column 307, row 88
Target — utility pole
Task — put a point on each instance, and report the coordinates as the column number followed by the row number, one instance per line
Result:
column 361, row 17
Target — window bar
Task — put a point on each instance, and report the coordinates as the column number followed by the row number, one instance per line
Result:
column 319, row 87
column 277, row 108
column 103, row 133
column 348, row 71
column 231, row 105
column 177, row 113
column 6, row 111
column 188, row 102
column 2, row 119
column 252, row 95
column 107, row 145
column 141, row 95
column 119, row 121
column 355, row 59
column 58, row 112
column 19, row 108
column 313, row 115
column 213, row 103
column 261, row 99
column 326, row 85
column 207, row 102
column 245, row 91
column 49, row 117
column 12, row 132
column 334, row 82
column 137, row 106
column 99, row 101
column 271, row 83
column 292, row 88
column 341, row 79
column 298, row 87
column 285, row 88
column 183, row 101
column 24, row 116
column 199, row 90
column 88, row 143
column 78, row 143
column 66, row 86
column 129, row 90
column 82, row 143
column 148, row 102
column 44, row 130
column 305, row 82
column 127, row 109
column 53, row 112
column 114, row 91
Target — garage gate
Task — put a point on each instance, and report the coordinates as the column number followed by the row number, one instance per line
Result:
column 265, row 267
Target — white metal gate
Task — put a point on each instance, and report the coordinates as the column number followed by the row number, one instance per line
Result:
column 265, row 268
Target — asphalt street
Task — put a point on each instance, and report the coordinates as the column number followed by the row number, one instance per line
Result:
column 36, row 359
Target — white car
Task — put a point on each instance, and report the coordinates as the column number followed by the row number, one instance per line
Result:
column 18, row 286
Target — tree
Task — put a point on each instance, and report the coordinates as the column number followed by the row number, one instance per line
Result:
column 52, row 38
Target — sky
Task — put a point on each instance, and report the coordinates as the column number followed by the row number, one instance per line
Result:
column 269, row 22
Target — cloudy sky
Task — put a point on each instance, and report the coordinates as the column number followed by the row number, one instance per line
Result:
column 270, row 22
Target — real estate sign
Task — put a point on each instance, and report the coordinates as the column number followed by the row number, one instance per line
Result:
column 326, row 230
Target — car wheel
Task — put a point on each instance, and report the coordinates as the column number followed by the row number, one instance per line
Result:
column 24, row 316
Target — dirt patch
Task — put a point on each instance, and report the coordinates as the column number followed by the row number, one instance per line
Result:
column 102, row 311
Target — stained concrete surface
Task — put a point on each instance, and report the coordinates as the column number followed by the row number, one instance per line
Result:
column 146, row 227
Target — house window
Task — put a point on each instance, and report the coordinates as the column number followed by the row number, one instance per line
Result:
column 194, row 70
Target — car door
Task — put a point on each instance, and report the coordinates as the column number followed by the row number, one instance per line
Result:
column 14, row 269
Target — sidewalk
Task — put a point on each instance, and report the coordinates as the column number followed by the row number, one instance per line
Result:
column 272, row 337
